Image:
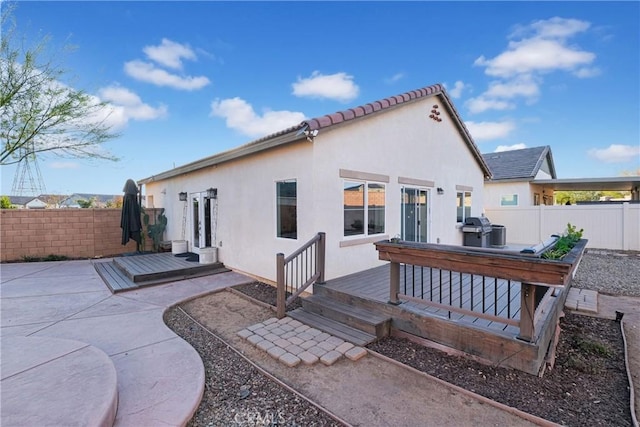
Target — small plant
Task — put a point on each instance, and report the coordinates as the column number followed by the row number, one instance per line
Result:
column 50, row 257
column 565, row 243
column 155, row 231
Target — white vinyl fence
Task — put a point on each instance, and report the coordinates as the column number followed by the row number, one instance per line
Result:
column 614, row 226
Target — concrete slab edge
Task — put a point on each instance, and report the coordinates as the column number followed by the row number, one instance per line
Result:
column 266, row 373
column 632, row 398
column 524, row 415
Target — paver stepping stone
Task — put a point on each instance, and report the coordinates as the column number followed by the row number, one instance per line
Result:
column 276, row 352
column 294, row 349
column 344, row 347
column 308, row 344
column 308, row 358
column 265, row 345
column 356, row 353
column 318, row 351
column 327, row 345
column 330, row 358
column 289, row 359
column 255, row 339
column 245, row 333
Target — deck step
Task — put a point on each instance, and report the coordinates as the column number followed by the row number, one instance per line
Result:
column 118, row 279
column 340, row 330
column 355, row 317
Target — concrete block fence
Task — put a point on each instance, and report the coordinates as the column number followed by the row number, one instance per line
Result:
column 75, row 233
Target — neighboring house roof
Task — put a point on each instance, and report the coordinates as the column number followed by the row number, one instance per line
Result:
column 307, row 127
column 100, row 199
column 519, row 165
column 20, row 200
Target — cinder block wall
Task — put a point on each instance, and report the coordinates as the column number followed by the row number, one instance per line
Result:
column 76, row 233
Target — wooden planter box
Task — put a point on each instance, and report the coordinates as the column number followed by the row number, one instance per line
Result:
column 519, row 267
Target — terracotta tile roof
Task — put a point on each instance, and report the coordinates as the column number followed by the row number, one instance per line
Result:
column 295, row 133
column 371, row 108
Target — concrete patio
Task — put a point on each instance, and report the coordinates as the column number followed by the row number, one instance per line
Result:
column 73, row 353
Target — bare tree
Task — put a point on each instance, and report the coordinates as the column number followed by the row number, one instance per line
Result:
column 39, row 113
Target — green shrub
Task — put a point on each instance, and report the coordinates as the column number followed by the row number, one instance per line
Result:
column 565, row 243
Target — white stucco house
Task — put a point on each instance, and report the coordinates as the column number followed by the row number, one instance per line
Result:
column 402, row 166
column 515, row 175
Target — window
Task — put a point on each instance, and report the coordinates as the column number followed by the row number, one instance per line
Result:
column 359, row 221
column 536, row 199
column 287, row 209
column 463, row 208
column 509, row 200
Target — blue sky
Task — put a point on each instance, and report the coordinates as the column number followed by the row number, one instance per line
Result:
column 190, row 79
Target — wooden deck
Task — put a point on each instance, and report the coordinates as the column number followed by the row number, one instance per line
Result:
column 490, row 340
column 136, row 271
column 373, row 284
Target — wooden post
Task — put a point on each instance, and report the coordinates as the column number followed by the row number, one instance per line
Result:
column 527, row 312
column 281, row 294
column 394, row 281
column 321, row 256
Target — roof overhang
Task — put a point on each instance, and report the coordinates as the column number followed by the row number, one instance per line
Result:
column 621, row 183
column 290, row 135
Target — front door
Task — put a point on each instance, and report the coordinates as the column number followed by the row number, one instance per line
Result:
column 415, row 215
column 203, row 224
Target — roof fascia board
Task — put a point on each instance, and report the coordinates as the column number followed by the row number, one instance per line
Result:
column 227, row 156
column 465, row 133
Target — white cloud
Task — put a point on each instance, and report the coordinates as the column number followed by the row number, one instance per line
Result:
column 481, row 104
column 534, row 50
column 524, row 86
column 501, row 148
column 339, row 87
column 456, row 91
column 64, row 165
column 484, row 131
column 555, row 27
column 128, row 106
column 616, row 153
column 148, row 72
column 535, row 55
column 240, row 116
column 170, row 53
column 396, row 77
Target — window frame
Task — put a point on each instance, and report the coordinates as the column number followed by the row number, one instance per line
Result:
column 466, row 210
column 514, row 201
column 366, row 208
column 279, row 232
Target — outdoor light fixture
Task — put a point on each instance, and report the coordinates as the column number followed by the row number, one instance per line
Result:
column 183, row 196
column 212, row 193
column 440, row 190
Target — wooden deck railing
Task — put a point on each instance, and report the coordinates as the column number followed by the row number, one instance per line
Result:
column 299, row 270
column 486, row 273
column 484, row 297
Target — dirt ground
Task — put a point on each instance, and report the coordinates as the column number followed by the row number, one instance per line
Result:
column 363, row 393
column 630, row 306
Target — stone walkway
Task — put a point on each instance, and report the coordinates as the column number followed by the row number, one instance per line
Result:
column 292, row 342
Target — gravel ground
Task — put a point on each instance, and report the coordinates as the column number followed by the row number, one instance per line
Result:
column 236, row 393
column 588, row 385
column 609, row 272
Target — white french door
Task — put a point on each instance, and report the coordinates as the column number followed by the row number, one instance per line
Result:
column 415, row 214
column 203, row 220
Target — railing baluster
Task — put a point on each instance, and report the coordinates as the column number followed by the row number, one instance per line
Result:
column 484, row 295
column 509, row 299
column 422, row 282
column 495, row 296
column 472, row 290
column 413, row 280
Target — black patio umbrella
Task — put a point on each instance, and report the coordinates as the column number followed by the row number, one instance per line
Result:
column 130, row 221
